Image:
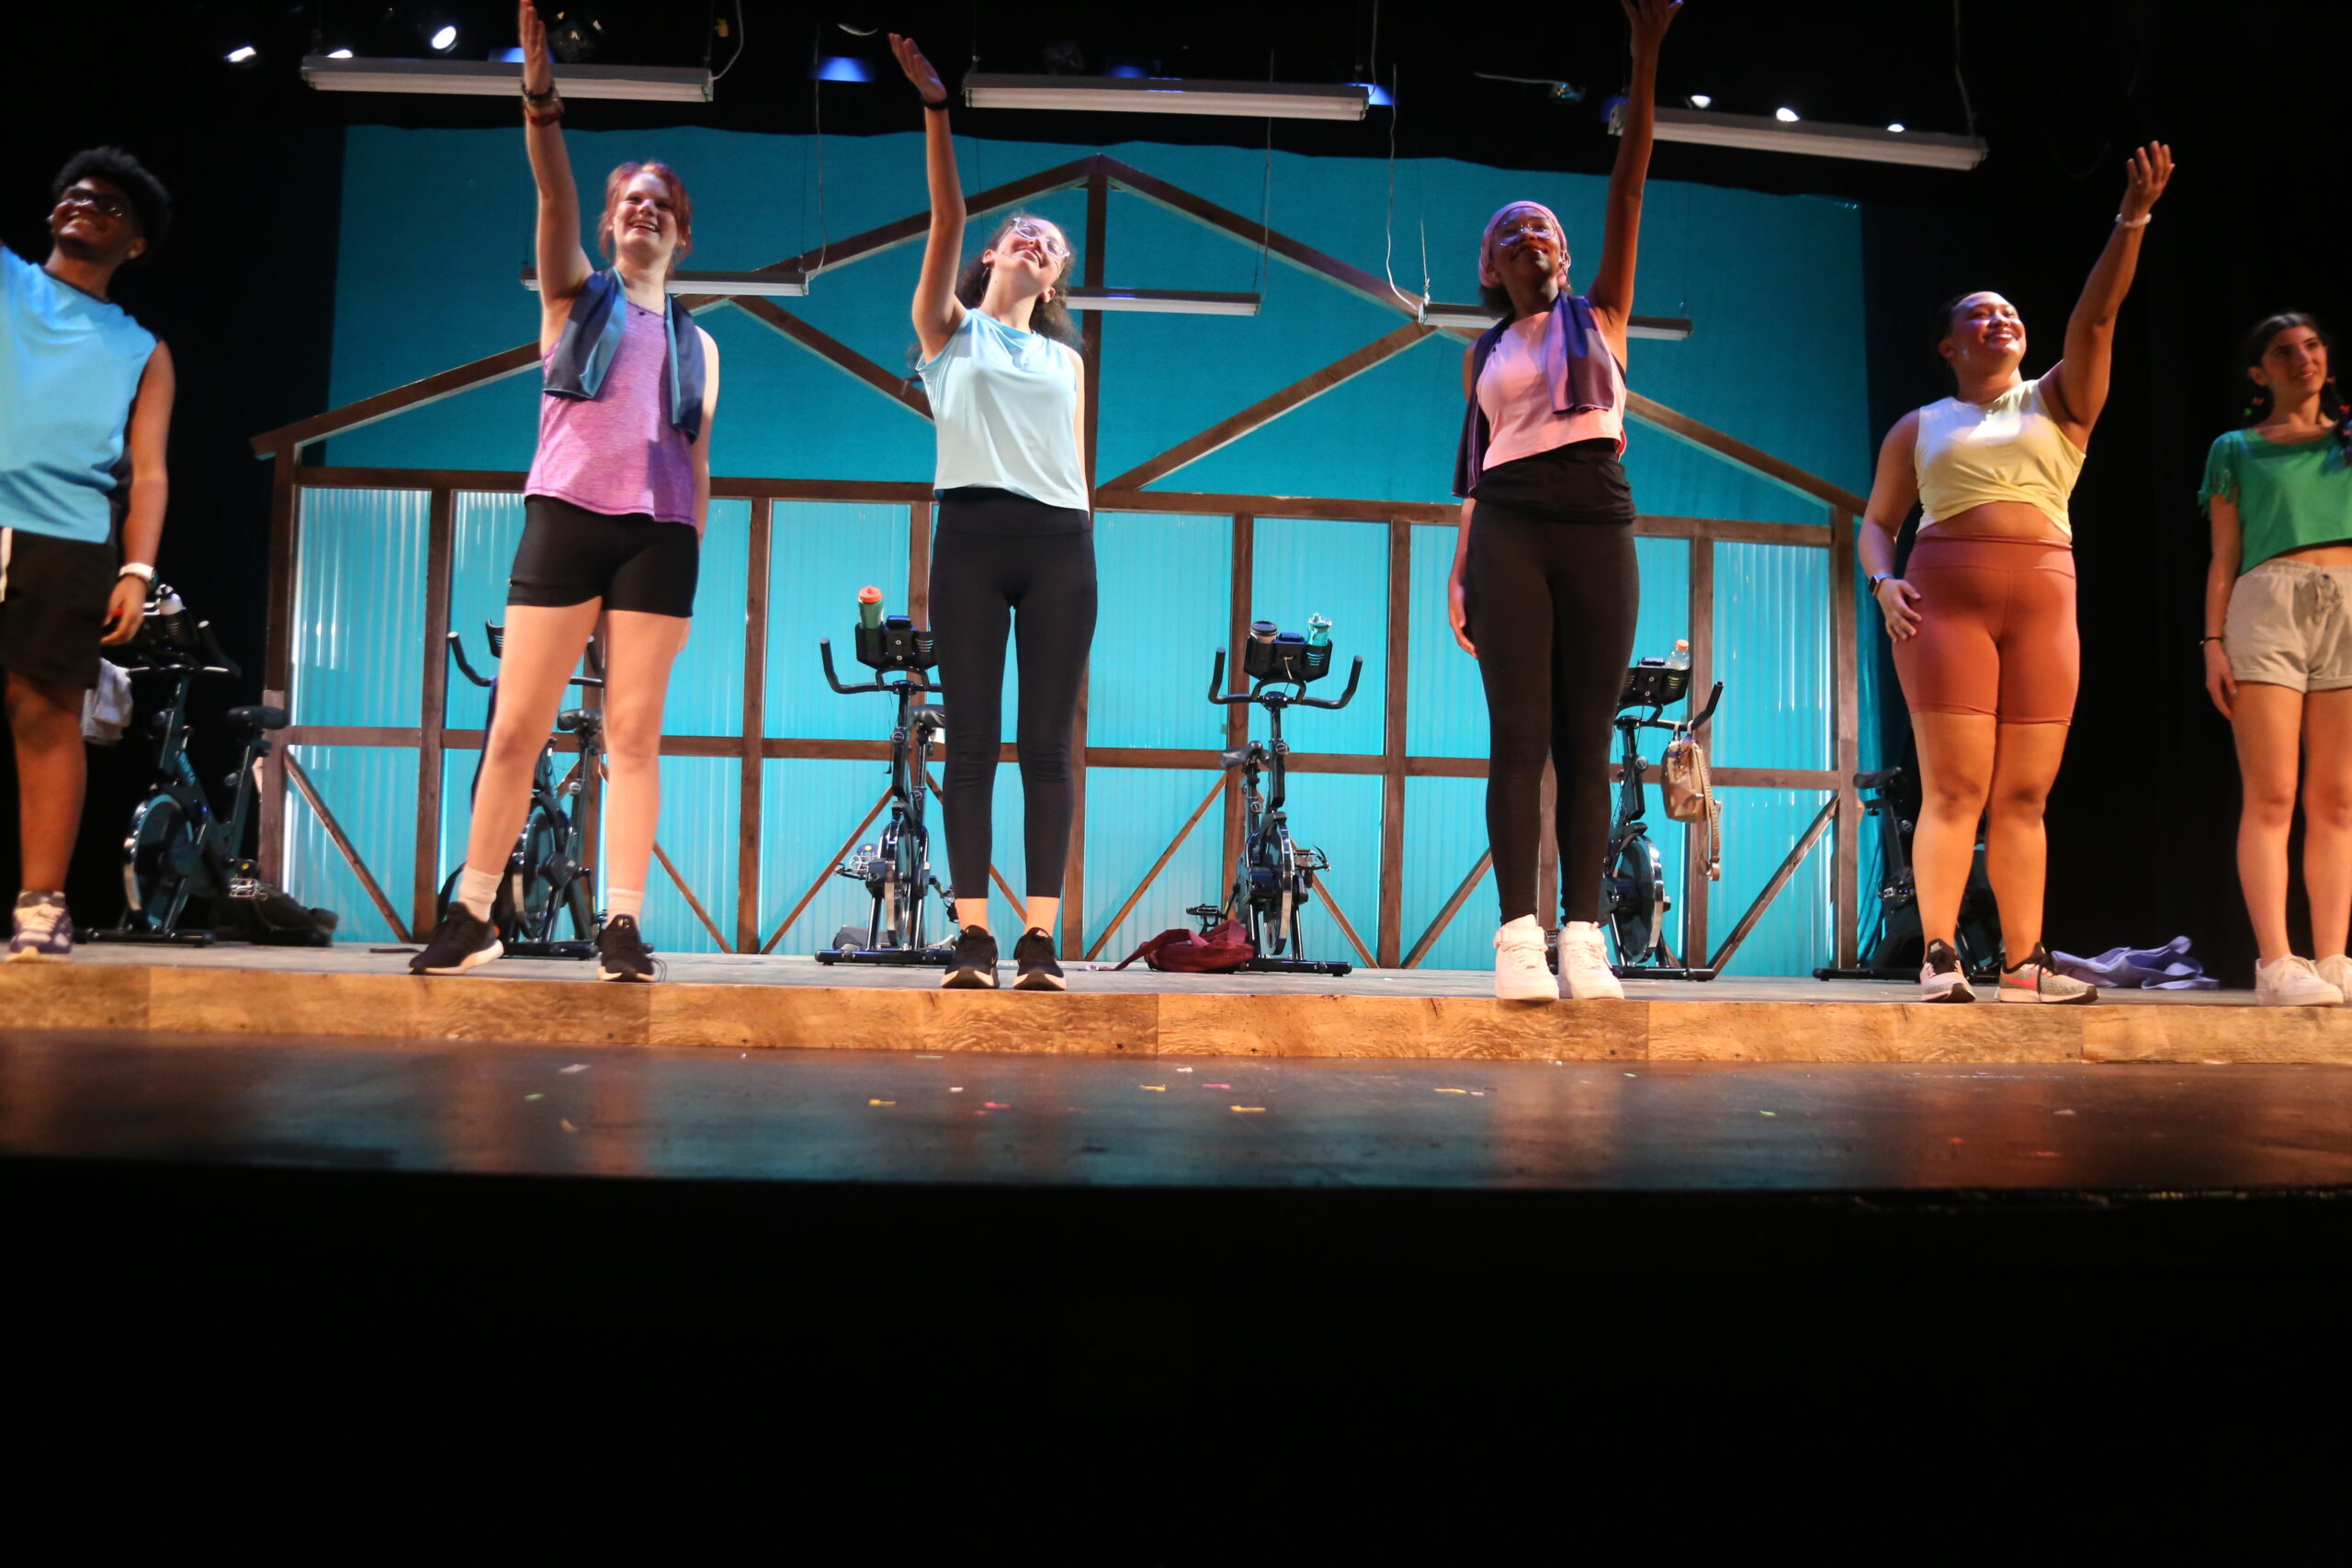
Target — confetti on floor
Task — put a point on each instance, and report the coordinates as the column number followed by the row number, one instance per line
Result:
column 881, row 1102
column 929, row 1056
column 1452, row 1091
column 1184, row 1069
column 576, row 1068
column 568, row 1127
column 957, row 1089
column 1217, row 1086
column 2062, row 1113
column 535, row 1097
column 1154, row 1088
column 1250, row 1110
column 993, row 1105
column 1767, row 1114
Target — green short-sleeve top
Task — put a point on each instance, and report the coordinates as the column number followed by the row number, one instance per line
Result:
column 2290, row 495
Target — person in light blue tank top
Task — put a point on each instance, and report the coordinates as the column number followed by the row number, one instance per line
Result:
column 85, row 406
column 1015, row 549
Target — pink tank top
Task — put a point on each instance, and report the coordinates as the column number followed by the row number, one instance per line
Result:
column 1516, row 396
column 618, row 453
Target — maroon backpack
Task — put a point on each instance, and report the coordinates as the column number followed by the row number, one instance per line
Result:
column 1188, row 952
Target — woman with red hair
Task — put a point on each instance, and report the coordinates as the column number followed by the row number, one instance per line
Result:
column 615, row 507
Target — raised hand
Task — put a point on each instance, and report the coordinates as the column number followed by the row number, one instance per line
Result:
column 2144, row 178
column 919, row 69
column 1650, row 18
column 539, row 65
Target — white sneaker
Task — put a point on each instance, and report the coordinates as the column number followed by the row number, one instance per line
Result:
column 2295, row 982
column 1584, row 963
column 1942, row 978
column 2337, row 970
column 1519, row 972
column 2035, row 981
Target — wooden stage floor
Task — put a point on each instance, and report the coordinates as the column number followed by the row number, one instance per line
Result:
column 715, row 1000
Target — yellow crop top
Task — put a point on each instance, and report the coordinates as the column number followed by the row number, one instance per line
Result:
column 2008, row 450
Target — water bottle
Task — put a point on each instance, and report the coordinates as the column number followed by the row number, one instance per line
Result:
column 870, row 608
column 1681, row 658
column 1319, row 631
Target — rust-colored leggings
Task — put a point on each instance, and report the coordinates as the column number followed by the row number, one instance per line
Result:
column 1996, row 630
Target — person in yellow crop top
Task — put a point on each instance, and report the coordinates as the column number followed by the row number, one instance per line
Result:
column 1984, row 619
column 2278, row 648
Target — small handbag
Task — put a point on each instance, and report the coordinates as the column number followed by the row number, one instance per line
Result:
column 1689, row 796
column 1223, row 947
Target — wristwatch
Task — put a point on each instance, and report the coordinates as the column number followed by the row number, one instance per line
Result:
column 139, row 570
column 1878, row 578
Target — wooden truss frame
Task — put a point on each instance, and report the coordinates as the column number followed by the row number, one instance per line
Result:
column 1098, row 174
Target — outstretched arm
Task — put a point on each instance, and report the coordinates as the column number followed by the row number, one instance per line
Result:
column 563, row 266
column 1612, row 286
column 2075, row 388
column 937, row 313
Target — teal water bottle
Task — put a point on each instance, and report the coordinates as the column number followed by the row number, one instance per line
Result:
column 1319, row 631
column 870, row 608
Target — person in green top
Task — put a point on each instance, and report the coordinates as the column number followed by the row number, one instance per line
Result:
column 2277, row 647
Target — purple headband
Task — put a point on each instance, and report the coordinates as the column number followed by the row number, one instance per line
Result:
column 1487, row 272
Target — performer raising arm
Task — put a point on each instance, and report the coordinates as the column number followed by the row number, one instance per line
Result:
column 614, row 506
column 1983, row 621
column 1545, row 587
column 86, row 404
column 1016, row 533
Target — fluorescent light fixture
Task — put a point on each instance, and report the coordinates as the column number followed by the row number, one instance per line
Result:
column 1701, row 101
column 1124, row 71
column 1477, row 319
column 1163, row 301
column 842, row 68
column 1167, row 94
column 1896, row 128
column 1785, row 116
column 1866, row 142
column 769, row 283
column 511, row 56
column 338, row 54
column 339, row 73
column 445, row 38
column 242, row 53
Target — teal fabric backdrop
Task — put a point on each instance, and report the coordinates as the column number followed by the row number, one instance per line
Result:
column 437, row 226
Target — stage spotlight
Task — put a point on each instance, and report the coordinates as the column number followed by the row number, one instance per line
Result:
column 1785, row 116
column 338, row 54
column 575, row 37
column 445, row 38
column 1896, row 128
column 1376, row 94
column 242, row 53
column 1124, row 71
column 1700, row 101
column 842, row 68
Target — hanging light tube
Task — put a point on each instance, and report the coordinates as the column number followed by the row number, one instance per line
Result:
column 1167, row 95
column 1477, row 318
column 498, row 78
column 1164, row 301
column 1708, row 128
column 724, row 284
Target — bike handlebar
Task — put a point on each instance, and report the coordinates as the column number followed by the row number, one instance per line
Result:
column 1227, row 699
column 825, row 651
column 465, row 666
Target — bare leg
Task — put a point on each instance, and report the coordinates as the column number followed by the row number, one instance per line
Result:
column 45, row 717
column 2327, row 816
column 972, row 912
column 543, row 648
column 2016, row 852
column 2268, row 723
column 1042, row 913
column 1956, row 752
column 640, row 650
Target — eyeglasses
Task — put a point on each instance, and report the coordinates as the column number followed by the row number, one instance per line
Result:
column 97, row 200
column 1050, row 242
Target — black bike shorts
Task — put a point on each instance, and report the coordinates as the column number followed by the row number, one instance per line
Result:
column 53, row 596
column 570, row 555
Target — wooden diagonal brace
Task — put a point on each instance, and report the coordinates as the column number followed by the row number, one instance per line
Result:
column 300, row 780
column 1445, row 916
column 903, row 391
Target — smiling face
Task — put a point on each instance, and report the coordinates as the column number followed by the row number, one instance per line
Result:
column 94, row 221
column 1030, row 256
column 1983, row 334
column 2294, row 364
column 648, row 221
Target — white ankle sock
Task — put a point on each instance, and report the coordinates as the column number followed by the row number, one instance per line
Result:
column 630, row 901
column 477, row 890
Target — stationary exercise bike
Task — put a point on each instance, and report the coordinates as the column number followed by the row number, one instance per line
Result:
column 1634, row 900
column 546, row 881
column 896, row 870
column 1899, row 948
column 178, row 852
column 1274, row 877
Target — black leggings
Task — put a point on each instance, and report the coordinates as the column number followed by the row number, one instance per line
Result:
column 1550, row 611
column 977, row 580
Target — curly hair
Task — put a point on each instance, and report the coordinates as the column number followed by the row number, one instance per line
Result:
column 150, row 203
column 2331, row 401
column 1050, row 317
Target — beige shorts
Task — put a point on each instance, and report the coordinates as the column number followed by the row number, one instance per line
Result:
column 2291, row 625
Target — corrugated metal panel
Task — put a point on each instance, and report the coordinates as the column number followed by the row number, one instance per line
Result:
column 485, row 529
column 699, row 831
column 1761, row 826
column 359, row 607
column 1166, row 597
column 707, row 682
column 822, row 553
column 372, row 792
column 1339, row 570
column 1772, row 655
column 1131, row 816
column 1665, row 615
column 807, row 809
column 1339, row 814
column 1445, row 707
column 1446, row 832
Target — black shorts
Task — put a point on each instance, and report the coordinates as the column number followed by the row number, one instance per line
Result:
column 54, row 606
column 570, row 555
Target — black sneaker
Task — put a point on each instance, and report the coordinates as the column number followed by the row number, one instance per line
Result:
column 1942, row 979
column 621, row 953
column 463, row 941
column 1033, row 957
column 974, row 966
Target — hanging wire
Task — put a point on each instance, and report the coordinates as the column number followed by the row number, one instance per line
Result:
column 1388, row 246
column 816, row 119
column 1265, row 197
column 740, row 39
column 1966, row 106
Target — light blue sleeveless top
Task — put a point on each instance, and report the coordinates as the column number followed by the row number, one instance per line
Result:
column 69, row 368
column 1005, row 403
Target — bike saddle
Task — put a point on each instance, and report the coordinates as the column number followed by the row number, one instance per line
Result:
column 1879, row 779
column 573, row 721
column 930, row 714
column 1235, row 756
column 257, row 718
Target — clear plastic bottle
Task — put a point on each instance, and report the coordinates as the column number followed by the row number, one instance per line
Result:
column 1681, row 658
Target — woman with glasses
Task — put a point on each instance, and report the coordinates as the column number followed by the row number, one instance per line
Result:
column 1015, row 534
